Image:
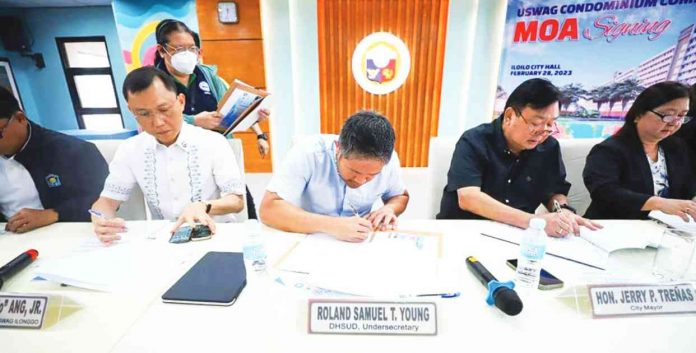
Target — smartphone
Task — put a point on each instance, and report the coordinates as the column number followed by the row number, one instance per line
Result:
column 201, row 232
column 182, row 235
column 546, row 281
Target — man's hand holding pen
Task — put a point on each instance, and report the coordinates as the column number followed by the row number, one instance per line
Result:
column 562, row 222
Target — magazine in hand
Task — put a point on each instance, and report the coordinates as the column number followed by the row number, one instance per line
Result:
column 238, row 104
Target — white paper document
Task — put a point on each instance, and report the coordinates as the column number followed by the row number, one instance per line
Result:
column 620, row 234
column 591, row 247
column 126, row 265
column 387, row 264
column 674, row 221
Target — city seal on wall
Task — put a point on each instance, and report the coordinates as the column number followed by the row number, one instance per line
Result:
column 381, row 63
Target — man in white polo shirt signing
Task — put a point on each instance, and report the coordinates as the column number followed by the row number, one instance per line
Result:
column 187, row 173
column 328, row 183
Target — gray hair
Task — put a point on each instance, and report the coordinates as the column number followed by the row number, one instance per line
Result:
column 367, row 134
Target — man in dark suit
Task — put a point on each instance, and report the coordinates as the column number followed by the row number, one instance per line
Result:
column 45, row 176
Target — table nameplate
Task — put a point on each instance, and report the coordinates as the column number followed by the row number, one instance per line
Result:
column 372, row 318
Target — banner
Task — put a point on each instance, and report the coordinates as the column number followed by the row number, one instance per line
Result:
column 136, row 21
column 601, row 54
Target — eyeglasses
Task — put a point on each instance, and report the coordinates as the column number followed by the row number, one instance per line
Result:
column 194, row 49
column 672, row 119
column 2, row 131
column 538, row 129
column 147, row 114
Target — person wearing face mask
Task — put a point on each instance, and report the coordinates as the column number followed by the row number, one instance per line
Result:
column 178, row 50
column 328, row 183
column 644, row 167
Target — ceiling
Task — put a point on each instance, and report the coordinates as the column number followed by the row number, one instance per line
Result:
column 53, row 3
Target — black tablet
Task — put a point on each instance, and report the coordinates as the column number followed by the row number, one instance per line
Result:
column 216, row 279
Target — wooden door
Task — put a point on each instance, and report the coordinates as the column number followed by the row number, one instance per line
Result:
column 237, row 50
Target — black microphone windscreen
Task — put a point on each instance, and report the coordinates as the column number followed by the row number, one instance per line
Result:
column 507, row 301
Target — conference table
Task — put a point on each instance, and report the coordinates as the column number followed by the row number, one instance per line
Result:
column 271, row 317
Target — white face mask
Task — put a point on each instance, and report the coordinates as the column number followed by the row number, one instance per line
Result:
column 184, row 62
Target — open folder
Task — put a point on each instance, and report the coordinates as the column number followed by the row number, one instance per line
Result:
column 239, row 107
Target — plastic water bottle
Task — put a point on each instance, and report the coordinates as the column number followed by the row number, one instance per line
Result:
column 532, row 250
column 254, row 252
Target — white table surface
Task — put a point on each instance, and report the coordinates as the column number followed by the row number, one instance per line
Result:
column 269, row 317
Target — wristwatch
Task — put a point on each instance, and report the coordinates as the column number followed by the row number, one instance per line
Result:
column 569, row 208
column 208, row 206
column 262, row 136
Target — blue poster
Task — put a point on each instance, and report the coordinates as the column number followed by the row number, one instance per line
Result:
column 601, row 54
column 136, row 21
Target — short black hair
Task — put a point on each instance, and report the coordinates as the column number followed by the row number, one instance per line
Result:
column 8, row 103
column 535, row 93
column 651, row 98
column 141, row 78
column 367, row 134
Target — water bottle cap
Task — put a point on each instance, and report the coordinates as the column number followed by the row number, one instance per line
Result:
column 537, row 223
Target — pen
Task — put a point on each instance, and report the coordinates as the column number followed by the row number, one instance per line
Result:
column 355, row 210
column 356, row 214
column 98, row 214
column 559, row 210
column 441, row 295
column 557, row 206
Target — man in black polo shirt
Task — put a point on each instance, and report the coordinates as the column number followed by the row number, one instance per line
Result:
column 45, row 176
column 505, row 169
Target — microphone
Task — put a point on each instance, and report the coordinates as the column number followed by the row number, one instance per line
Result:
column 501, row 294
column 16, row 265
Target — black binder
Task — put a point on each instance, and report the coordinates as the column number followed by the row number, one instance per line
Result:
column 216, row 279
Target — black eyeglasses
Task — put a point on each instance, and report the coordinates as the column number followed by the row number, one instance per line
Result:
column 2, row 131
column 538, row 129
column 672, row 119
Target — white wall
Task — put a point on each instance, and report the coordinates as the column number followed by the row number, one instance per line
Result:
column 291, row 53
column 472, row 59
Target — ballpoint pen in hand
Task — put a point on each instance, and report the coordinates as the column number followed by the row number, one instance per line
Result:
column 356, row 214
column 98, row 214
column 355, row 210
column 557, row 207
column 559, row 210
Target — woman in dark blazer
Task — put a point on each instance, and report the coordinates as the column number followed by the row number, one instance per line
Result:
column 643, row 167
